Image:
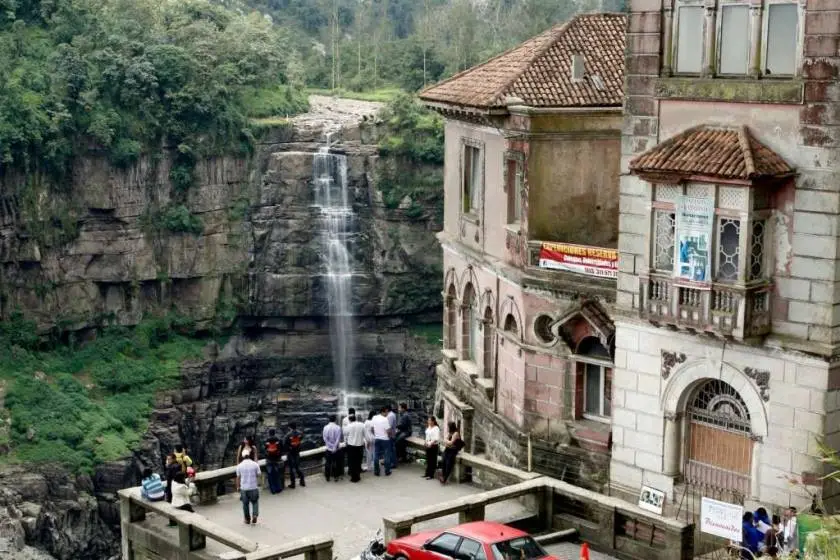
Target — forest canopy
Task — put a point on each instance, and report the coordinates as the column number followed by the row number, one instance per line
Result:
column 126, row 74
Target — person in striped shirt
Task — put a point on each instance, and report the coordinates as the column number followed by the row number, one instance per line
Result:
column 152, row 487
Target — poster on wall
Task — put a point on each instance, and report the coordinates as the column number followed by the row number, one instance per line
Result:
column 721, row 519
column 652, row 500
column 582, row 259
column 695, row 223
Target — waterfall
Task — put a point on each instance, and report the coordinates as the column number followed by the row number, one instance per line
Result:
column 337, row 228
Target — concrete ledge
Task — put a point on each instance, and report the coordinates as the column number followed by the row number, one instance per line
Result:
column 467, row 368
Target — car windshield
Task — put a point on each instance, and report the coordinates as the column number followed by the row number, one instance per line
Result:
column 521, row 548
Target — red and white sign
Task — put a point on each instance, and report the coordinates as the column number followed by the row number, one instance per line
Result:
column 592, row 261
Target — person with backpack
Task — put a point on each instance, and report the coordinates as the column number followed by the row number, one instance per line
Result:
column 294, row 440
column 274, row 462
column 152, row 486
column 182, row 459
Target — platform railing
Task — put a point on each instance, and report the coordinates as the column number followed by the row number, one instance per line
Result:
column 193, row 530
column 207, row 483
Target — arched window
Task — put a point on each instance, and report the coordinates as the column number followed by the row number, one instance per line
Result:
column 451, row 318
column 511, row 326
column 719, row 449
column 488, row 343
column 470, row 324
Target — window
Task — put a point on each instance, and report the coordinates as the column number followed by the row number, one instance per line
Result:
column 471, row 181
column 521, row 548
column 513, row 186
column 471, row 550
column 689, row 42
column 663, row 240
column 757, row 249
column 451, row 318
column 445, row 544
column 511, row 326
column 470, row 330
column 734, row 39
column 782, row 39
column 487, row 345
column 596, row 391
column 729, row 250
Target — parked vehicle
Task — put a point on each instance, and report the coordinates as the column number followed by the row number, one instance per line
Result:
column 481, row 540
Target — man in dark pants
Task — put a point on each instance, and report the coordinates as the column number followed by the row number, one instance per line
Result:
column 294, row 439
column 354, row 437
column 274, row 462
column 403, row 433
column 333, row 468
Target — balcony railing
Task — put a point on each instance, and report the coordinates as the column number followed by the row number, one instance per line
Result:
column 737, row 311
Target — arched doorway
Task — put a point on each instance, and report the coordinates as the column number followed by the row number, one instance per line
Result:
column 719, row 446
column 451, row 318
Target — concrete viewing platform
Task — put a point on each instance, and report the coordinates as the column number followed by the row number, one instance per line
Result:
column 337, row 520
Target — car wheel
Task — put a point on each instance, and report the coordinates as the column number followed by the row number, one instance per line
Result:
column 400, row 557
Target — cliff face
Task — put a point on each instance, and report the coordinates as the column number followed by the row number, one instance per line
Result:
column 105, row 247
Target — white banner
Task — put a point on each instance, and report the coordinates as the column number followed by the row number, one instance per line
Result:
column 721, row 519
column 695, row 224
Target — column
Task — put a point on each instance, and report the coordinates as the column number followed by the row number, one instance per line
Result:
column 755, row 41
column 710, row 62
column 667, row 38
column 671, row 444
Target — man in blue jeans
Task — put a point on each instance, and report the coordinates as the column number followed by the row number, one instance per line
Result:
column 382, row 442
column 392, row 424
column 248, row 485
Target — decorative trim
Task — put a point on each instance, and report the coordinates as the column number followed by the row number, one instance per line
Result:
column 669, row 360
column 762, row 379
column 757, row 438
column 672, row 416
column 790, row 92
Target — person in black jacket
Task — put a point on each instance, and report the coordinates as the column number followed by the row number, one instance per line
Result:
column 403, row 433
column 274, row 469
column 294, row 440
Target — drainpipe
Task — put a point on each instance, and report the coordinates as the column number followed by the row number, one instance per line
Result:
column 496, row 351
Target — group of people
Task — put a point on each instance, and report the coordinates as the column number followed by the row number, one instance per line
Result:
column 178, row 488
column 376, row 444
column 766, row 536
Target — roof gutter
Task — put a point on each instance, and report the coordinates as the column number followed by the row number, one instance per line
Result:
column 528, row 110
column 483, row 111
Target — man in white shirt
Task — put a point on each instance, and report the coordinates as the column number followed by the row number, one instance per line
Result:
column 382, row 442
column 248, row 485
column 354, row 436
column 790, row 532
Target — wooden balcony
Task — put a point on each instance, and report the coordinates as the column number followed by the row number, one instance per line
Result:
column 727, row 310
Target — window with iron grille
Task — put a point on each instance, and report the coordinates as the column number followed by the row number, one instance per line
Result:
column 757, row 240
column 729, row 250
column 663, row 242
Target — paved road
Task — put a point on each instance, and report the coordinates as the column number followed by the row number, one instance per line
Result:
column 350, row 513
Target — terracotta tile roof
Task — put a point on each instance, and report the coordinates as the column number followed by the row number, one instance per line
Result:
column 539, row 71
column 713, row 151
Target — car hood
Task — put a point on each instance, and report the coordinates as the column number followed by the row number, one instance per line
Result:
column 416, row 540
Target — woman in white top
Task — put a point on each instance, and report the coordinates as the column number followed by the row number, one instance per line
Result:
column 181, row 493
column 369, row 442
column 432, row 447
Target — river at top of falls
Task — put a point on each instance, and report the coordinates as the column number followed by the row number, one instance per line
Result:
column 338, row 226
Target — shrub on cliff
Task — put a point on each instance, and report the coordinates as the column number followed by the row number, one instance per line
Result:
column 81, row 406
column 123, row 74
column 413, row 166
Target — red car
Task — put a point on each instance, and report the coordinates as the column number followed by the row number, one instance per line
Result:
column 481, row 540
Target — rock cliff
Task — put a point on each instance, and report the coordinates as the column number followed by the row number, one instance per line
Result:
column 113, row 244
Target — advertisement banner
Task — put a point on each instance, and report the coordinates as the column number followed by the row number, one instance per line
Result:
column 695, row 223
column 721, row 519
column 592, row 261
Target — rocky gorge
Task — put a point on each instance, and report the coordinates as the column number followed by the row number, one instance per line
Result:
column 238, row 253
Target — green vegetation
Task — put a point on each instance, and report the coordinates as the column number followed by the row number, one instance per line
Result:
column 431, row 332
column 413, row 139
column 173, row 218
column 127, row 75
column 367, row 45
column 80, row 405
column 381, row 95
